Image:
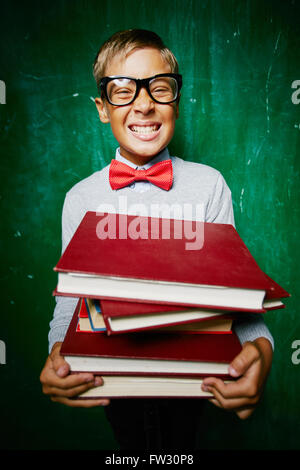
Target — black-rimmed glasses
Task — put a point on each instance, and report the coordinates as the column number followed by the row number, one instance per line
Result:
column 163, row 88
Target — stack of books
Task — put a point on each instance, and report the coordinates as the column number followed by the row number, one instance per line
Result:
column 154, row 317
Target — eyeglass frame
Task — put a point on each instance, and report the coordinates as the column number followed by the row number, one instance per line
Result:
column 140, row 83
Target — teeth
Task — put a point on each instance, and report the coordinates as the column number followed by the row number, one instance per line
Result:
column 144, row 129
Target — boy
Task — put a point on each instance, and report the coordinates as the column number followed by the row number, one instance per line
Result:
column 142, row 106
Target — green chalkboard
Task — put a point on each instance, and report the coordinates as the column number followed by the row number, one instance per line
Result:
column 239, row 113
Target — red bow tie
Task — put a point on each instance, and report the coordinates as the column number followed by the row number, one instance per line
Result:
column 160, row 174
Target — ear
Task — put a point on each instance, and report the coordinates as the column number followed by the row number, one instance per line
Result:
column 177, row 107
column 102, row 110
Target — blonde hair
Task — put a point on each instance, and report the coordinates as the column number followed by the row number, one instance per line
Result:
column 124, row 42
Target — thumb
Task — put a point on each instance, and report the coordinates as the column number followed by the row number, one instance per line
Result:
column 60, row 366
column 241, row 363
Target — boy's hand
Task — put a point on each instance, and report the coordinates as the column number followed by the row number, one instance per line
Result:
column 252, row 366
column 62, row 386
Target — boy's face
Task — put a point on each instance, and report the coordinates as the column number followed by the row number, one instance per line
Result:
column 143, row 128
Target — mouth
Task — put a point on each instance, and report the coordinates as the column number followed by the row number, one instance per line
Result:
column 145, row 131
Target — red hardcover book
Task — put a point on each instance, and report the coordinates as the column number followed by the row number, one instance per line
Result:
column 90, row 319
column 125, row 317
column 83, row 317
column 149, row 354
column 153, row 268
column 274, row 295
column 149, row 365
column 122, row 317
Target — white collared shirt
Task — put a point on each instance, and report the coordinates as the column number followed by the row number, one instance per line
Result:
column 142, row 186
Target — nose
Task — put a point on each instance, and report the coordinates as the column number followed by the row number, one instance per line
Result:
column 143, row 102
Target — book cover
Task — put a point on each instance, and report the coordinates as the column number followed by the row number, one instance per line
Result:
column 120, row 316
column 179, row 319
column 223, row 273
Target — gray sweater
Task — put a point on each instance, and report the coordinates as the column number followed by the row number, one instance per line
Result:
column 199, row 189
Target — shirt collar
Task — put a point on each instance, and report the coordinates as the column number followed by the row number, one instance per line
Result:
column 163, row 155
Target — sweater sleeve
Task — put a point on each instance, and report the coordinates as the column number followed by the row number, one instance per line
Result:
column 250, row 327
column 72, row 214
column 220, row 210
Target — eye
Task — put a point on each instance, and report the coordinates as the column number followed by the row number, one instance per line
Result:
column 163, row 88
column 122, row 91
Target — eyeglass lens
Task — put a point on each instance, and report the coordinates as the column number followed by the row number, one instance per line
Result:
column 122, row 90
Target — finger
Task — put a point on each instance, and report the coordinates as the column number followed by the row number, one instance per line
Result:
column 233, row 403
column 247, row 386
column 227, row 390
column 59, row 365
column 80, row 403
column 244, row 359
column 50, row 379
column 72, row 391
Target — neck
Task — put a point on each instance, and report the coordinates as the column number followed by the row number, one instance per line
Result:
column 138, row 161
